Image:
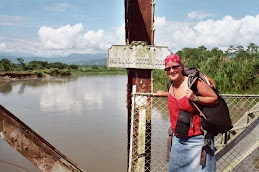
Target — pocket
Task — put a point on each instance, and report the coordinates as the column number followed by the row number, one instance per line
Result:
column 183, row 123
column 184, row 117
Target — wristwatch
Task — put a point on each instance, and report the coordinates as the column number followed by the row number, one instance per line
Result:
column 197, row 99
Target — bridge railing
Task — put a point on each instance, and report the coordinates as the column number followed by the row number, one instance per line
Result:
column 149, row 134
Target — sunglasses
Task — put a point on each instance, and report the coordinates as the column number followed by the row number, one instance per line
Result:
column 172, row 67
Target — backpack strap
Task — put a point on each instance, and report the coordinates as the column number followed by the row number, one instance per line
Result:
column 203, row 150
column 169, row 85
column 206, row 147
column 191, row 80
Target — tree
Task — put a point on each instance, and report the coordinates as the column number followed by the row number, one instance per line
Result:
column 235, row 74
column 240, row 49
column 231, row 50
column 57, row 65
column 6, row 64
column 21, row 62
column 73, row 66
column 202, row 48
column 252, row 48
column 36, row 65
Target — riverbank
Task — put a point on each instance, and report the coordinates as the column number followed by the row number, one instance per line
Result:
column 17, row 75
column 24, row 75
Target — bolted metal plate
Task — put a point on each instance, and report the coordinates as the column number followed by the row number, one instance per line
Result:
column 137, row 56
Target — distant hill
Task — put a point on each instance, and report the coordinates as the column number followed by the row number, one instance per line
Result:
column 79, row 59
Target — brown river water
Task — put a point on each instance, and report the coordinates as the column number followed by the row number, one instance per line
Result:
column 83, row 117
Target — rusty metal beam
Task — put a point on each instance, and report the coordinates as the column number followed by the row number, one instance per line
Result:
column 32, row 146
column 139, row 21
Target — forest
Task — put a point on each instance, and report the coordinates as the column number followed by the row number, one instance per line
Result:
column 235, row 70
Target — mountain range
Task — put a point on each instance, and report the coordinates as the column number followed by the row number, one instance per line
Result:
column 78, row 59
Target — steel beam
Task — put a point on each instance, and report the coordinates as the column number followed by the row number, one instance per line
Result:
column 139, row 21
column 32, row 146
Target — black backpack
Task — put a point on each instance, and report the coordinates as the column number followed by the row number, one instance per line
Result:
column 214, row 119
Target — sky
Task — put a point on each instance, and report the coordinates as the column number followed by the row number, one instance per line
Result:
column 52, row 28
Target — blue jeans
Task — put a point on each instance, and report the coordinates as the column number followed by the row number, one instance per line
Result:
column 186, row 153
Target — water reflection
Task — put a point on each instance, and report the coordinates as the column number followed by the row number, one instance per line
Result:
column 5, row 87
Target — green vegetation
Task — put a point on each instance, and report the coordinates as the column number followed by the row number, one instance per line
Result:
column 234, row 71
column 43, row 68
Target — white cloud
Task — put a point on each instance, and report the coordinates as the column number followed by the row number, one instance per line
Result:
column 199, row 15
column 93, row 39
column 2, row 46
column 160, row 21
column 69, row 39
column 72, row 39
column 64, row 37
column 164, row 31
column 119, row 37
column 210, row 33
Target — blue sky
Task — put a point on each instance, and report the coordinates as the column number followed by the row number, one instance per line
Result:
column 61, row 27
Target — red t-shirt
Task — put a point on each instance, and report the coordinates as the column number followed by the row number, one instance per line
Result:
column 183, row 104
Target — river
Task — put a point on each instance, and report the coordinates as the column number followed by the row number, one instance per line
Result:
column 84, row 117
